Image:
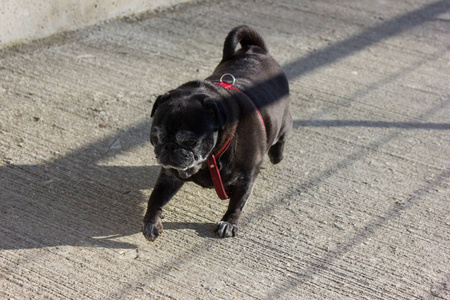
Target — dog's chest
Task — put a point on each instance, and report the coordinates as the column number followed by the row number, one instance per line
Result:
column 203, row 177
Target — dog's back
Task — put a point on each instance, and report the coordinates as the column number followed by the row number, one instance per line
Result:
column 261, row 78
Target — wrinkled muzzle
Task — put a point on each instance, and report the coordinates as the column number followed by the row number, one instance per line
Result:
column 170, row 155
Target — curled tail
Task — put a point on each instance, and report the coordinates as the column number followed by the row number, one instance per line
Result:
column 244, row 35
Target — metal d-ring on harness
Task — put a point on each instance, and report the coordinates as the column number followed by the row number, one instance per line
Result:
column 212, row 161
column 228, row 75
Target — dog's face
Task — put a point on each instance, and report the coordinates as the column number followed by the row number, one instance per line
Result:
column 184, row 131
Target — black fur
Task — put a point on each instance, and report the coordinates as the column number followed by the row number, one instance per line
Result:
column 195, row 120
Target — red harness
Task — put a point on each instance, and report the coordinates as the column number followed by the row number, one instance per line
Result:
column 212, row 160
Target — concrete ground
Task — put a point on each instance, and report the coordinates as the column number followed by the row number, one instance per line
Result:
column 359, row 208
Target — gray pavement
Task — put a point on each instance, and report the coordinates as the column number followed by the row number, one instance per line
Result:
column 359, row 208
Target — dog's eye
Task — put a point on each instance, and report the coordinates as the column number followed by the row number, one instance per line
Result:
column 190, row 143
column 154, row 139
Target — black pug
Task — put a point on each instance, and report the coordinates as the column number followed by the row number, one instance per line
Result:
column 215, row 132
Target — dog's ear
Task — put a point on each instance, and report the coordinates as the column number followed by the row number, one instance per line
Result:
column 218, row 111
column 159, row 100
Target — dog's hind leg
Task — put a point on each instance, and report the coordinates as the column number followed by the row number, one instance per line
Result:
column 276, row 152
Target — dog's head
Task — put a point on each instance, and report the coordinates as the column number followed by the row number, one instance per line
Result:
column 185, row 129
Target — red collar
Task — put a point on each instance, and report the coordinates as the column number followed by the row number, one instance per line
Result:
column 212, row 160
column 215, row 173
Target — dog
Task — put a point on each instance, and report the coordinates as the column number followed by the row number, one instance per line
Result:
column 215, row 132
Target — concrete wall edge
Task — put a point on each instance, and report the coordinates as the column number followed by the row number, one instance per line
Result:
column 23, row 21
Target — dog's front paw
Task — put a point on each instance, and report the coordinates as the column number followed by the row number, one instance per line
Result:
column 152, row 230
column 225, row 229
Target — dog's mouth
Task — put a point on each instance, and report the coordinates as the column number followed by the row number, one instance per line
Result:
column 188, row 172
column 184, row 171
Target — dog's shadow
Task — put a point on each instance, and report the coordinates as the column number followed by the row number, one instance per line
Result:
column 204, row 230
